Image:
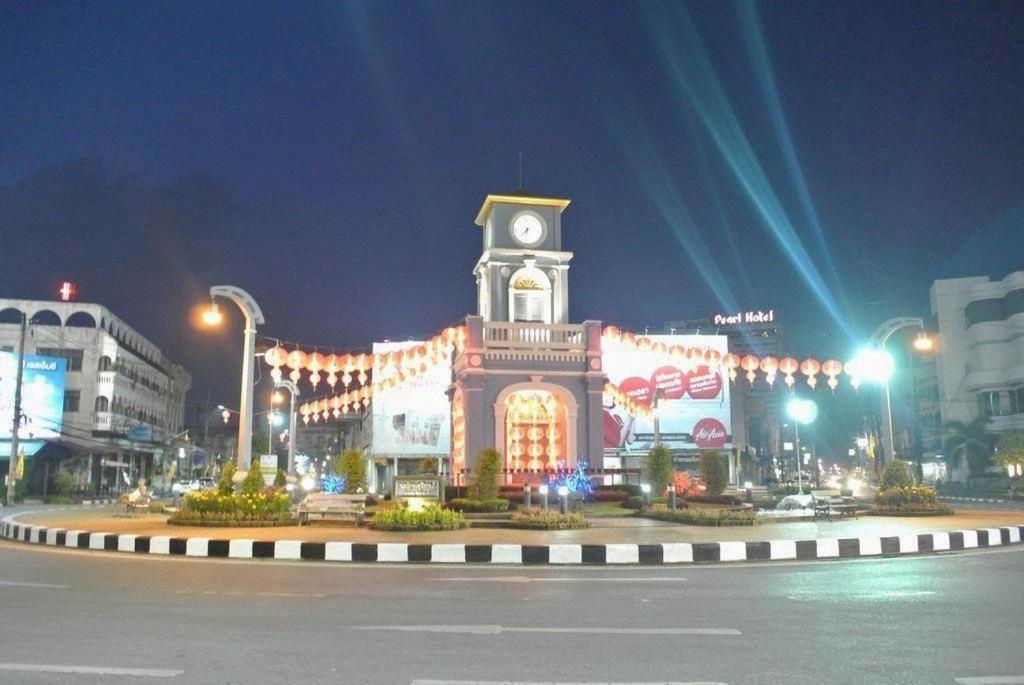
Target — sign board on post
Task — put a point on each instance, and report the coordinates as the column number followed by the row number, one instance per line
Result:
column 418, row 491
column 268, row 464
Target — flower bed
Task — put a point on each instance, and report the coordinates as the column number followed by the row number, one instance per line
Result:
column 546, row 519
column 477, row 505
column 908, row 501
column 429, row 518
column 215, row 507
column 701, row 517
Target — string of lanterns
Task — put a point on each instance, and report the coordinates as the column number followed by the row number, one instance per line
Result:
column 393, row 369
column 689, row 358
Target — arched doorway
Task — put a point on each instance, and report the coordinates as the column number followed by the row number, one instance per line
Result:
column 529, row 296
column 535, row 427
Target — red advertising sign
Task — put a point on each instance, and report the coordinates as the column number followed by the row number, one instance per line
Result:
column 670, row 381
column 703, row 383
column 639, row 389
column 709, row 433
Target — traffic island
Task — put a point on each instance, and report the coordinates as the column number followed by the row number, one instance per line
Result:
column 610, row 541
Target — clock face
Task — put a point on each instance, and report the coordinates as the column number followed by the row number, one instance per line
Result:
column 527, row 229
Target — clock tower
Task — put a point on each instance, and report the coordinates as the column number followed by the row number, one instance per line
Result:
column 523, row 274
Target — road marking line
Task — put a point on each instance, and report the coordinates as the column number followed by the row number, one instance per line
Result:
column 91, row 670
column 214, row 593
column 499, row 630
column 992, row 680
column 14, row 583
column 529, row 579
column 604, row 682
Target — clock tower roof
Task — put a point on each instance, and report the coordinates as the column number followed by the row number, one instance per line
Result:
column 519, row 197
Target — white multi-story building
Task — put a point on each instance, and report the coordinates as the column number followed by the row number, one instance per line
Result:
column 124, row 400
column 981, row 349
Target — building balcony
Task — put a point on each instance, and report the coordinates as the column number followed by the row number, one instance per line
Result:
column 534, row 336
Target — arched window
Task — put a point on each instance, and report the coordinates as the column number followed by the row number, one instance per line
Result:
column 529, row 296
column 10, row 316
column 104, row 364
column 45, row 317
column 81, row 320
column 102, row 403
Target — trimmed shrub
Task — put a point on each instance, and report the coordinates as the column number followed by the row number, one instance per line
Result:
column 714, row 499
column 547, row 519
column 63, row 485
column 629, row 489
column 266, row 504
column 686, row 484
column 428, row 465
column 894, row 475
column 895, row 497
column 658, row 468
column 478, row 506
column 254, row 482
column 431, row 517
column 225, row 485
column 701, row 517
column 485, row 475
column 59, row 499
column 280, row 480
column 352, row 468
column 713, row 473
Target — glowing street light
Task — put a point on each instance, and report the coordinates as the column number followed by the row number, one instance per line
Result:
column 212, row 315
column 253, row 317
column 924, row 342
column 801, row 411
column 874, row 365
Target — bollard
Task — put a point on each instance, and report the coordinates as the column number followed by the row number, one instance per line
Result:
column 543, row 490
column 527, row 499
column 563, row 496
column 672, row 497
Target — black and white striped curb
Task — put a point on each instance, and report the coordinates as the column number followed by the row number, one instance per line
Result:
column 664, row 553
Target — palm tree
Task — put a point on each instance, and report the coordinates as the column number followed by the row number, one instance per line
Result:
column 971, row 440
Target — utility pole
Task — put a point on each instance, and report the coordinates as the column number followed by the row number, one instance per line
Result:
column 12, row 462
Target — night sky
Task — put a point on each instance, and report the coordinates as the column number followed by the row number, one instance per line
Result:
column 826, row 160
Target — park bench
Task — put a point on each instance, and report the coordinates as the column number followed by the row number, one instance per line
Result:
column 829, row 503
column 323, row 506
column 136, row 502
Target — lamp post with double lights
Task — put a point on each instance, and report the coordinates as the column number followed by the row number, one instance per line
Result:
column 293, row 390
column 876, row 364
column 253, row 318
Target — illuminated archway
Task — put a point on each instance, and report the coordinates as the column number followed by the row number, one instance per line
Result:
column 529, row 296
column 535, row 426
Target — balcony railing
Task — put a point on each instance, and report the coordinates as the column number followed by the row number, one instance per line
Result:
column 532, row 336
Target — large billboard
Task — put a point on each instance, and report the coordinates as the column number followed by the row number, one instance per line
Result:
column 42, row 401
column 691, row 405
column 414, row 420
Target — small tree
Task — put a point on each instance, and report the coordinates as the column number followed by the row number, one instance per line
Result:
column 713, row 472
column 63, row 484
column 428, row 465
column 353, row 469
column 1010, row 450
column 254, row 482
column 280, row 480
column 486, row 475
column 226, row 483
column 658, row 468
column 894, row 475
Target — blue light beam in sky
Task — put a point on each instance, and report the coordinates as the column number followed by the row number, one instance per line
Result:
column 688, row 64
column 750, row 26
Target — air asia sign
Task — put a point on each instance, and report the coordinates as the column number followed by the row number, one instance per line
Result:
column 692, row 404
column 744, row 318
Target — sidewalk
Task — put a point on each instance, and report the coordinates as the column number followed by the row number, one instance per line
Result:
column 604, row 530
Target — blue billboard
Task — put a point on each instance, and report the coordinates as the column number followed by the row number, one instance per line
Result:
column 42, row 401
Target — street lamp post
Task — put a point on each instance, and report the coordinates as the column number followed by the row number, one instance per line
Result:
column 293, row 390
column 253, row 318
column 878, row 339
column 801, row 411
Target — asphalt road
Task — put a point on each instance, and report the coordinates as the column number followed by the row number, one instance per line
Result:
column 912, row 620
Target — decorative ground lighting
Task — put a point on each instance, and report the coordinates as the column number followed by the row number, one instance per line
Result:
column 543, row 490
column 672, row 496
column 527, row 496
column 646, row 489
column 801, row 411
column 563, row 498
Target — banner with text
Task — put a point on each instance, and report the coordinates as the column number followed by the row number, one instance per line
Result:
column 691, row 404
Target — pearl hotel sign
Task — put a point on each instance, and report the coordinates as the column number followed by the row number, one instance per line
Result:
column 744, row 317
